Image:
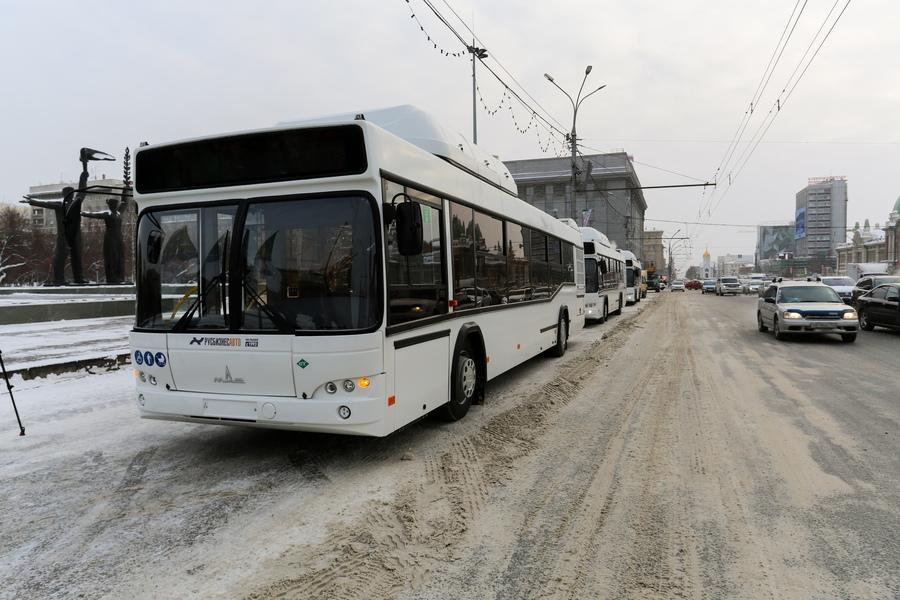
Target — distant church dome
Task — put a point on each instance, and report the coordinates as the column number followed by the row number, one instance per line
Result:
column 706, row 252
column 897, row 205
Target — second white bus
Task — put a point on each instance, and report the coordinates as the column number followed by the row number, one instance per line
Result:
column 634, row 274
column 604, row 276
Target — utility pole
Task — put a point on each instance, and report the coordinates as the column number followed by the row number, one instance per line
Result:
column 572, row 137
column 670, row 254
column 479, row 53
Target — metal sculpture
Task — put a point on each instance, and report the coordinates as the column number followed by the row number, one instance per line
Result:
column 68, row 221
column 113, row 244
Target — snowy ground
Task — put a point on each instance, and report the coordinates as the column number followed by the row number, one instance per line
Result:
column 38, row 344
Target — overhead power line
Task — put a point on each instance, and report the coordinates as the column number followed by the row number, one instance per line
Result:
column 493, row 56
column 553, row 135
column 782, row 99
column 776, row 108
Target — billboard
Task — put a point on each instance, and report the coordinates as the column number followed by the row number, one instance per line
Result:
column 800, row 224
column 774, row 240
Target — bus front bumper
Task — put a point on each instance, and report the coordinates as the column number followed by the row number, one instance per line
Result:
column 366, row 414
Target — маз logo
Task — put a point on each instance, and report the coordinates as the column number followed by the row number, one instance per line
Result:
column 228, row 378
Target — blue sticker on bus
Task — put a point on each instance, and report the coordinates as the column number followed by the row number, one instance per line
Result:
column 138, row 357
column 148, row 358
column 160, row 359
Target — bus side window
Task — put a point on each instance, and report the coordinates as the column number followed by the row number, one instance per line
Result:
column 462, row 244
column 490, row 263
column 540, row 270
column 517, row 262
column 415, row 284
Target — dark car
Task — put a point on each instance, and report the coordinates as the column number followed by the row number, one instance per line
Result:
column 880, row 307
column 870, row 282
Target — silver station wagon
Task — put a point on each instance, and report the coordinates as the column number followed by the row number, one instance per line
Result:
column 794, row 307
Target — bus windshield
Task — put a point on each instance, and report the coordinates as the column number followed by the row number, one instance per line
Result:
column 629, row 277
column 296, row 265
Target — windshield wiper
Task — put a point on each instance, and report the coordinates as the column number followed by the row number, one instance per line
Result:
column 276, row 318
column 217, row 281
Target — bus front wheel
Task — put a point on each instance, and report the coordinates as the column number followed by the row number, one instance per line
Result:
column 562, row 337
column 463, row 385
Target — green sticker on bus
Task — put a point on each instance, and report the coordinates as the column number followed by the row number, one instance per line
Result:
column 302, row 363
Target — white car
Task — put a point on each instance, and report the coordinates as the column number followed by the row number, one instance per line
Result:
column 842, row 285
column 805, row 307
column 677, row 286
column 728, row 285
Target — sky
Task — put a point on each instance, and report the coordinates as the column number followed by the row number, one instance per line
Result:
column 679, row 76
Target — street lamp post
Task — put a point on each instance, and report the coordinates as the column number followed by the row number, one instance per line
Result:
column 573, row 138
column 480, row 54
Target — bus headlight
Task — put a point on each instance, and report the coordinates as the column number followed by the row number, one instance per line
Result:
column 792, row 315
column 349, row 386
column 330, row 387
column 850, row 315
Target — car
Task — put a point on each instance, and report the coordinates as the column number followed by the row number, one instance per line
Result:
column 709, row 286
column 842, row 285
column 653, row 285
column 727, row 285
column 753, row 286
column 880, row 307
column 677, row 286
column 805, row 307
column 694, row 284
column 869, row 282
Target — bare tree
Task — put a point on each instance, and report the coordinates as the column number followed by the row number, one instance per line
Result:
column 13, row 242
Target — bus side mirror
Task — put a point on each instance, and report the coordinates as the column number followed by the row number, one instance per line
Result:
column 409, row 229
column 769, row 300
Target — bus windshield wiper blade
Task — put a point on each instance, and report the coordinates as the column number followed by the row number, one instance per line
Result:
column 216, row 281
column 278, row 319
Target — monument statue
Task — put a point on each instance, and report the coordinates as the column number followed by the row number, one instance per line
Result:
column 113, row 244
column 68, row 221
column 68, row 234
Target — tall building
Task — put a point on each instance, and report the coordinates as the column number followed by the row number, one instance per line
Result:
column 821, row 217
column 607, row 197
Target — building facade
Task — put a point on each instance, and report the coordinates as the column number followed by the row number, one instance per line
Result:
column 607, row 194
column 873, row 244
column 821, row 217
column 735, row 264
column 654, row 258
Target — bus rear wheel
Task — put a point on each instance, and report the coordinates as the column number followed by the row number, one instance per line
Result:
column 464, row 383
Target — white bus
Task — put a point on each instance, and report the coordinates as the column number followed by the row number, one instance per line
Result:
column 634, row 274
column 604, row 276
column 339, row 275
